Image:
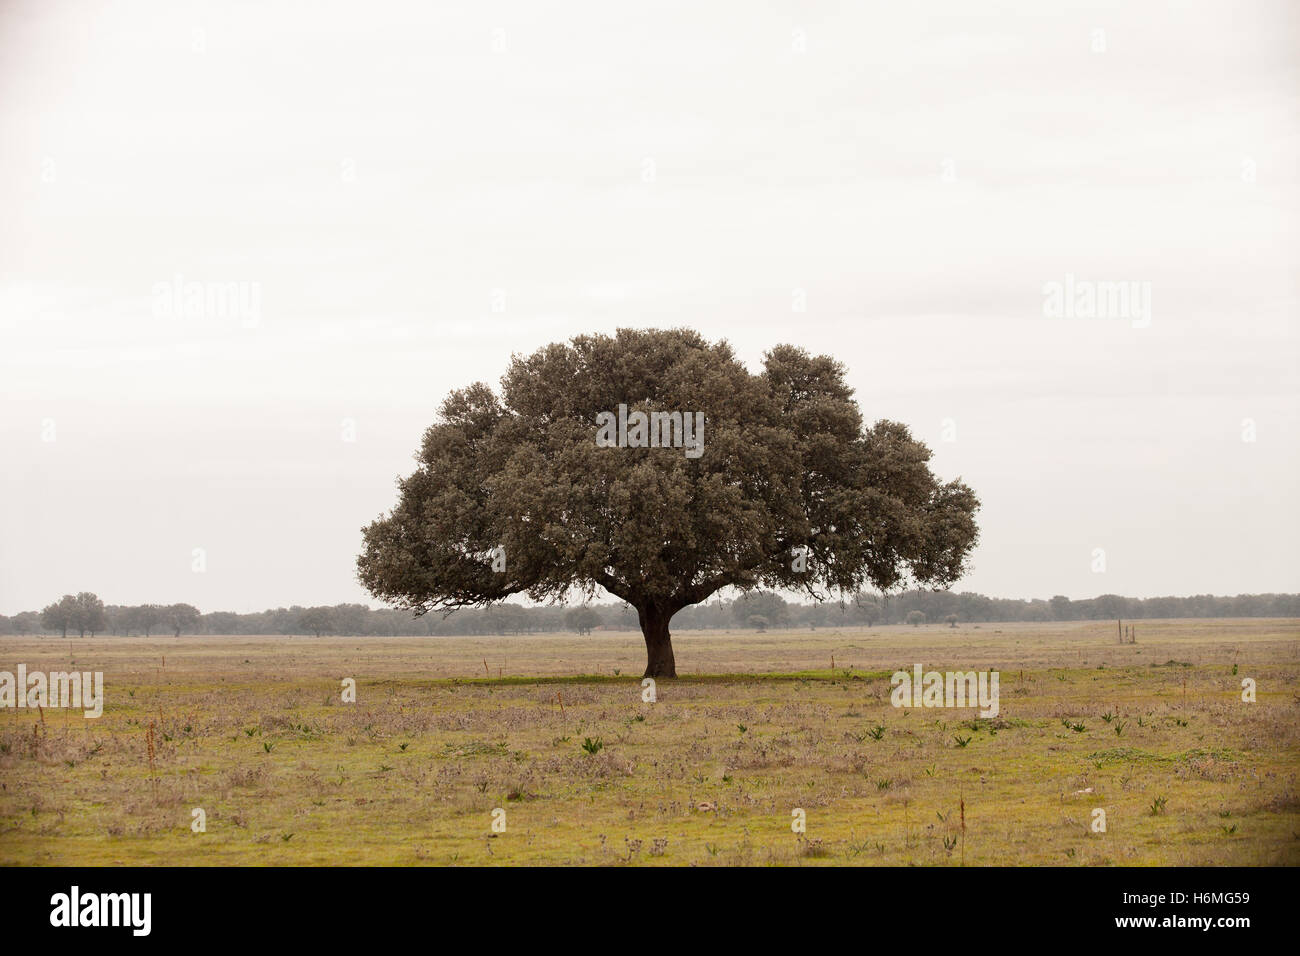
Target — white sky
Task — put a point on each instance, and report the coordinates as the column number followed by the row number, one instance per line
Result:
column 379, row 169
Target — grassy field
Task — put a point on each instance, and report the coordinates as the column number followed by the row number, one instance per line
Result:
column 253, row 731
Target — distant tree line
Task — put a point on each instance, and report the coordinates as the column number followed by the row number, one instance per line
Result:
column 85, row 613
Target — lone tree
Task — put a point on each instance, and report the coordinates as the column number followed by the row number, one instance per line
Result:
column 916, row 618
column 787, row 489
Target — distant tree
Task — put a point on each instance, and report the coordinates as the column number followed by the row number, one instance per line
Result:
column 317, row 619
column 350, row 619
column 496, row 619
column 625, row 618
column 515, row 617
column 1110, row 606
column 786, row 463
column 916, row 618
column 145, row 617
column 765, row 604
column 285, row 620
column 757, row 621
column 25, row 622
column 582, row 619
column 952, row 620
column 1060, row 607
column 867, row 608
column 181, row 617
column 60, row 615
column 222, row 622
column 816, row 616
column 88, row 614
column 1038, row 611
column 118, row 618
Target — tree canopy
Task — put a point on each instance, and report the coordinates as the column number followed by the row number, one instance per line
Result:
column 790, row 489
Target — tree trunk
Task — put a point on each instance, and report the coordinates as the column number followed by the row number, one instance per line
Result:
column 658, row 642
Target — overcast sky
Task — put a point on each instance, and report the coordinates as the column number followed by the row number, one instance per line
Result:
column 411, row 192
